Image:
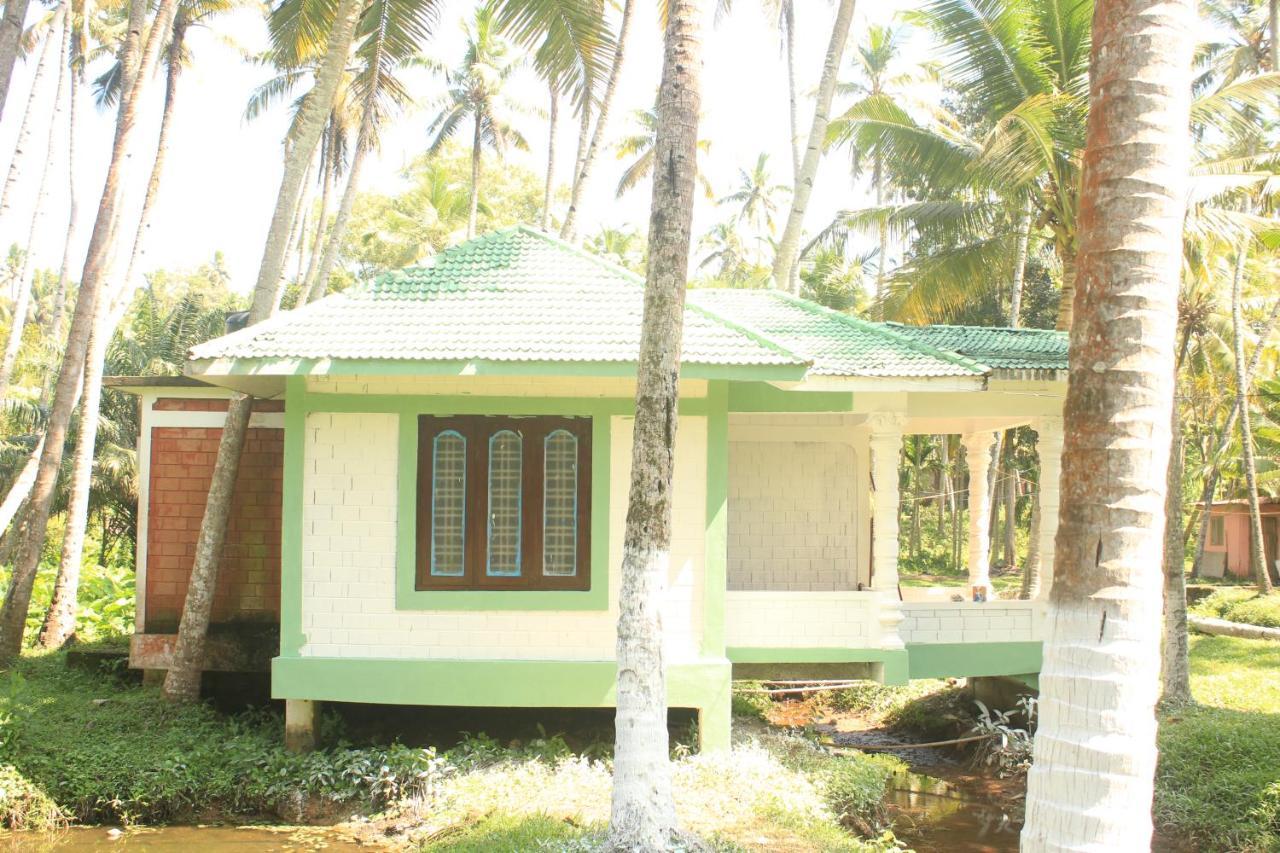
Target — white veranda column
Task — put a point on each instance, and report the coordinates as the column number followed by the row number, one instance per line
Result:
column 886, row 447
column 1049, row 447
column 977, row 455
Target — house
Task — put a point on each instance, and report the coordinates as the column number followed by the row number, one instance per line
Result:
column 432, row 500
column 1227, row 547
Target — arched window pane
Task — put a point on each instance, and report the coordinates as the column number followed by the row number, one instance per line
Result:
column 560, row 505
column 448, row 504
column 505, row 469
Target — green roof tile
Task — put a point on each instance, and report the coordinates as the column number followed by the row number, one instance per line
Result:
column 837, row 344
column 1001, row 348
column 511, row 295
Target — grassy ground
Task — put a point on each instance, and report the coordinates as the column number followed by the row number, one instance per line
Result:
column 78, row 746
column 1241, row 604
column 1219, row 776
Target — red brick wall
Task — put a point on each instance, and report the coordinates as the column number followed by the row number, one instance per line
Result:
column 182, row 460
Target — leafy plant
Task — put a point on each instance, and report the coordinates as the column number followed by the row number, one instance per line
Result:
column 1007, row 748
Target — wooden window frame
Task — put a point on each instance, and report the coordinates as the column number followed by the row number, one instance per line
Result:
column 1217, row 531
column 477, row 430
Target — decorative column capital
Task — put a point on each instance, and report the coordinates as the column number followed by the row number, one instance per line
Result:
column 978, row 442
column 886, row 426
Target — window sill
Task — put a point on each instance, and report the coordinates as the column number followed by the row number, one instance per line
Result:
column 476, row 599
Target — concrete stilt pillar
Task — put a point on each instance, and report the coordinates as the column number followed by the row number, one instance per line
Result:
column 886, row 447
column 300, row 725
column 1049, row 447
column 977, row 455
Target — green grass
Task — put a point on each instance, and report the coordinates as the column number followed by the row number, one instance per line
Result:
column 1241, row 604
column 1006, row 585
column 1218, row 781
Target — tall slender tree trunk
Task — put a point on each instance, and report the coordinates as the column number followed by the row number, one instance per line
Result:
column 473, row 203
column 1209, row 494
column 549, row 189
column 35, row 100
column 793, row 92
column 26, row 281
column 1175, row 669
column 1010, row 506
column 20, row 489
column 60, row 619
column 182, row 683
column 364, row 141
column 1095, row 752
column 137, row 71
column 643, row 810
column 1273, row 15
column 1019, row 267
column 328, row 169
column 73, row 210
column 786, row 262
column 1257, row 551
column 15, row 17
column 1066, row 307
column 1031, row 568
column 582, row 179
column 877, row 177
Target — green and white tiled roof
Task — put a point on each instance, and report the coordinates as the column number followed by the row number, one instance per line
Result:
column 517, row 295
column 1000, row 348
column 837, row 344
column 514, row 295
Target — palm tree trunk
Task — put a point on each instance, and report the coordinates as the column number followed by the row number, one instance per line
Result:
column 1224, row 439
column 1067, row 298
column 25, row 276
column 547, row 191
column 15, row 17
column 297, row 231
column 569, row 230
column 20, row 489
column 137, row 72
column 643, row 810
column 1273, row 14
column 73, row 211
column 1031, row 568
column 364, row 141
column 877, row 177
column 1095, row 753
column 36, row 98
column 914, row 537
column 793, row 91
column 786, row 265
column 328, row 169
column 474, row 202
column 182, row 683
column 60, row 619
column 173, row 69
column 1019, row 267
column 1010, row 508
column 1175, row 670
column 1257, row 552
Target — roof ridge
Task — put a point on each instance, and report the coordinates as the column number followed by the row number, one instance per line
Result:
column 576, row 250
column 882, row 331
column 1019, row 329
column 754, row 334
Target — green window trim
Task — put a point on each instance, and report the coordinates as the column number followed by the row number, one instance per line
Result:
column 409, row 598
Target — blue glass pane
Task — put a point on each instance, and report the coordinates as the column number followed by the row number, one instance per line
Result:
column 448, row 504
column 560, row 505
column 505, row 471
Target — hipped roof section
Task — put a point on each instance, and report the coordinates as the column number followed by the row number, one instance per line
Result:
column 519, row 301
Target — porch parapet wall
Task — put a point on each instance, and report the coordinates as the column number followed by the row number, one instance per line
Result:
column 972, row 622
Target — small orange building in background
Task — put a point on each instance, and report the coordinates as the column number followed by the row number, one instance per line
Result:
column 1228, row 547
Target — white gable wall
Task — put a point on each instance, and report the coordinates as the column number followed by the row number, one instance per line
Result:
column 349, row 553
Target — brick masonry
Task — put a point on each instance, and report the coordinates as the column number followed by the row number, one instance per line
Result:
column 181, row 467
column 970, row 622
column 349, row 558
column 792, row 516
column 801, row 619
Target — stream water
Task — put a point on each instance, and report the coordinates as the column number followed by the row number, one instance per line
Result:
column 187, row 839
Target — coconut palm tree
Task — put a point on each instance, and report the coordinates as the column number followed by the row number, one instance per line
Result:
column 785, row 264
column 643, row 809
column 475, row 94
column 1095, row 751
column 623, row 247
column 638, row 148
column 139, row 58
column 756, row 197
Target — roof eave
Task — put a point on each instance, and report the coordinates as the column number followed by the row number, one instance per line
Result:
column 234, row 372
column 866, row 384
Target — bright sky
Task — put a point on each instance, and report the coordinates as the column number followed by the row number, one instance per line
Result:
column 223, row 173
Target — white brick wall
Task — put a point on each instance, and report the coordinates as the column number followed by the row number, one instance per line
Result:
column 348, row 558
column 971, row 622
column 793, row 515
column 801, row 619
